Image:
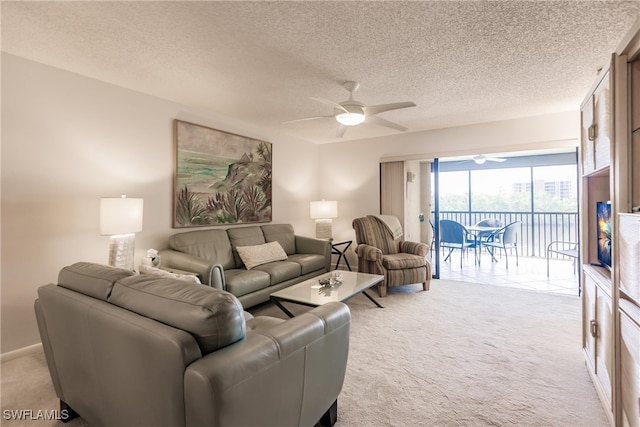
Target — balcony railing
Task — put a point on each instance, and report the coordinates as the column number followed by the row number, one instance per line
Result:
column 537, row 229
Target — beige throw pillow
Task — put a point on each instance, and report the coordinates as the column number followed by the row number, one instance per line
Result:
column 253, row 256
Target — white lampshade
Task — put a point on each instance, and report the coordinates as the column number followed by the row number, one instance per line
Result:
column 324, row 209
column 120, row 215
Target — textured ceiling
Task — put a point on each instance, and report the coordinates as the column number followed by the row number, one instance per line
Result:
column 461, row 62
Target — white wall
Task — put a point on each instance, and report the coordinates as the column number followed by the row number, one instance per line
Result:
column 67, row 141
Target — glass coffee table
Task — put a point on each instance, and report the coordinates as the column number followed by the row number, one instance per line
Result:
column 311, row 293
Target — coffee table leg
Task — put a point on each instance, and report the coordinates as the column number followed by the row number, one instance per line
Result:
column 372, row 300
column 282, row 307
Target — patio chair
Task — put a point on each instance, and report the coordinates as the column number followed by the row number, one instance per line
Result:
column 454, row 235
column 433, row 237
column 569, row 249
column 487, row 222
column 400, row 262
column 504, row 239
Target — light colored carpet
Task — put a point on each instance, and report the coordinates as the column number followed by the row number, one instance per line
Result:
column 458, row 355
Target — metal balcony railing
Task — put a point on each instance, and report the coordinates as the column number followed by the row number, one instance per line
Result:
column 537, row 229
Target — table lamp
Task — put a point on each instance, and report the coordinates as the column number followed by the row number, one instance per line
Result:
column 121, row 218
column 322, row 211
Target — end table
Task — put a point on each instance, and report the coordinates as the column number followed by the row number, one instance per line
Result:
column 340, row 249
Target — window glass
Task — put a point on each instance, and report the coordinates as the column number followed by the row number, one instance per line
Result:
column 555, row 188
column 454, row 191
column 501, row 190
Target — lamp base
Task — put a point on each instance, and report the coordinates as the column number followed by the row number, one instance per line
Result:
column 323, row 229
column 121, row 250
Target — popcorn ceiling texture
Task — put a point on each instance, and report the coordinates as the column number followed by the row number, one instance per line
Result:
column 461, row 62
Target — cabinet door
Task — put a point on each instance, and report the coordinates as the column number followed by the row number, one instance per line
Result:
column 588, row 136
column 602, row 117
column 598, row 336
column 630, row 366
column 589, row 323
column 630, row 255
column 635, row 95
column 635, row 167
column 604, row 342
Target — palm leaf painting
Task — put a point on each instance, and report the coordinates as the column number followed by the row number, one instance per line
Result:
column 220, row 178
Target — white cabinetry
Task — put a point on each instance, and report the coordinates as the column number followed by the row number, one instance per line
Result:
column 629, row 364
column 610, row 166
column 629, row 311
column 597, row 332
column 596, row 127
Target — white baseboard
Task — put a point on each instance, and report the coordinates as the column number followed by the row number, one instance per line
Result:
column 24, row 351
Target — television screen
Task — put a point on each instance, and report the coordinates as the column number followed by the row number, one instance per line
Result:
column 603, row 210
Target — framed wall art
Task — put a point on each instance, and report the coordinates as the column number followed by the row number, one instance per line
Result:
column 220, row 178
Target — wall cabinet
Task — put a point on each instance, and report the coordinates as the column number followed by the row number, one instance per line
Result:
column 596, row 127
column 610, row 167
column 597, row 330
column 629, row 311
column 629, row 364
column 629, row 255
column 597, row 297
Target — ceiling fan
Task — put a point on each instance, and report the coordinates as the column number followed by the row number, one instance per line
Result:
column 481, row 159
column 351, row 112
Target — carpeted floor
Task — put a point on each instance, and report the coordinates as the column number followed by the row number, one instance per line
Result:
column 458, row 355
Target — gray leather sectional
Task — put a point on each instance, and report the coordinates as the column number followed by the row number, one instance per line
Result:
column 213, row 256
column 139, row 350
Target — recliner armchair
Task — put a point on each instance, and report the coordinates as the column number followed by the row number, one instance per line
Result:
column 381, row 251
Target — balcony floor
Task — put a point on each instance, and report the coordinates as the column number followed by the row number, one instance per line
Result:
column 531, row 273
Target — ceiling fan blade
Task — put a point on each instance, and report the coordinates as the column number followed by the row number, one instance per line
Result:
column 375, row 109
column 341, row 130
column 386, row 123
column 330, row 103
column 308, row 118
column 495, row 159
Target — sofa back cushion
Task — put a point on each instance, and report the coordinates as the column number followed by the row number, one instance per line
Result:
column 215, row 318
column 213, row 245
column 94, row 280
column 244, row 236
column 281, row 233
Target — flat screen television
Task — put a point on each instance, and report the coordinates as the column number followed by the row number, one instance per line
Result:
column 603, row 214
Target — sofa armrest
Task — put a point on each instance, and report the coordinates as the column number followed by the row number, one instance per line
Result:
column 414, row 248
column 209, row 273
column 309, row 245
column 304, row 357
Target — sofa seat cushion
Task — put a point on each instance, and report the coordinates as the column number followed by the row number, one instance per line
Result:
column 308, row 262
column 241, row 282
column 401, row 261
column 94, row 280
column 262, row 323
column 280, row 271
column 215, row 318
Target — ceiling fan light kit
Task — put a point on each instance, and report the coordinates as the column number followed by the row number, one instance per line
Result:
column 350, row 119
column 353, row 113
column 481, row 159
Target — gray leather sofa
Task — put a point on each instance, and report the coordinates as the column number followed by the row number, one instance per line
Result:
column 138, row 350
column 212, row 254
